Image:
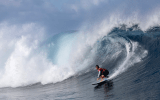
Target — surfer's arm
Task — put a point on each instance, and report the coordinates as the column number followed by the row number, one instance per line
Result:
column 99, row 74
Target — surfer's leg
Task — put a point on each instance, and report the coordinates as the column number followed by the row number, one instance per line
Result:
column 102, row 76
column 106, row 74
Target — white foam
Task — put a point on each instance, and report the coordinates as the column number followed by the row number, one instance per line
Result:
column 25, row 62
column 132, row 57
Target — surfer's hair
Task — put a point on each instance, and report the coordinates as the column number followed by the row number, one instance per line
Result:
column 97, row 66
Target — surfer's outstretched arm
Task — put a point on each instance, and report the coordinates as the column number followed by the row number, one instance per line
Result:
column 99, row 75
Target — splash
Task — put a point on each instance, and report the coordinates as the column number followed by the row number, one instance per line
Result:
column 134, row 54
column 29, row 58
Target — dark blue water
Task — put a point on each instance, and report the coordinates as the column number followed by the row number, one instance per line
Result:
column 139, row 81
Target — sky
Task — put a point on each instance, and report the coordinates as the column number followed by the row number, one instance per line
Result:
column 58, row 16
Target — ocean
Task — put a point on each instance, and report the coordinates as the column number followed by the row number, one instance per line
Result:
column 62, row 67
column 49, row 49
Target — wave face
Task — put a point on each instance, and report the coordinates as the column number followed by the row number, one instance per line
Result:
column 131, row 56
column 30, row 59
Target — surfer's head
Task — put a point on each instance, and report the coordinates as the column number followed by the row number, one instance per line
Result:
column 97, row 67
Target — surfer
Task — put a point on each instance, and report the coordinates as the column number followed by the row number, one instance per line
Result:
column 102, row 73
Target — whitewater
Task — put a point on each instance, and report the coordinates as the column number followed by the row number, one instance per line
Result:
column 35, row 64
column 31, row 60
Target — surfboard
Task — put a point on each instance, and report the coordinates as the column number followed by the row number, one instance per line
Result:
column 100, row 83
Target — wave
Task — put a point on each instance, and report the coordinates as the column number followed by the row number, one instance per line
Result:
column 29, row 55
column 29, row 59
